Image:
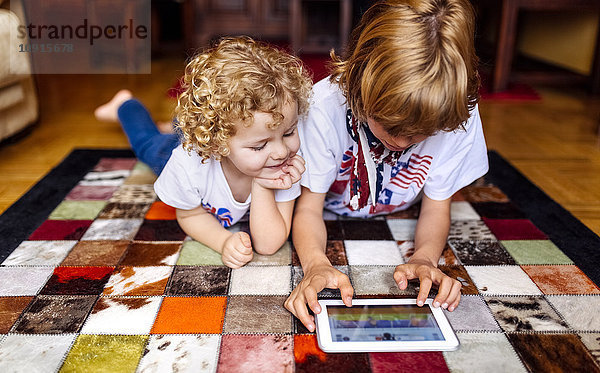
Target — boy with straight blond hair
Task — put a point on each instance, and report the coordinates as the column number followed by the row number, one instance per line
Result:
column 396, row 123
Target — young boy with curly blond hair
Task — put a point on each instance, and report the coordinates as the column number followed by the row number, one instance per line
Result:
column 396, row 123
column 237, row 120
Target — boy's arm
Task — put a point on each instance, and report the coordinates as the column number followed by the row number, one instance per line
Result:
column 310, row 241
column 270, row 221
column 235, row 248
column 431, row 235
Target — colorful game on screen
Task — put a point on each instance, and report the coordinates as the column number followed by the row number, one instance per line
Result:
column 383, row 323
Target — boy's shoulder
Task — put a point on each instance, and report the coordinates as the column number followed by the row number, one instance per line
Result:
column 190, row 161
column 325, row 92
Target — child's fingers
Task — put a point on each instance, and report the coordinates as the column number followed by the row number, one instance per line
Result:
column 245, row 239
column 424, row 290
column 295, row 174
column 400, row 278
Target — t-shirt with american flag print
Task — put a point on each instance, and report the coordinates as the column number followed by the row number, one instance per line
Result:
column 438, row 166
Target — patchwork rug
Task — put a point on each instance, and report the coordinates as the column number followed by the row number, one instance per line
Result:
column 96, row 275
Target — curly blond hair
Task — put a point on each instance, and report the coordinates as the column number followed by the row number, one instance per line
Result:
column 228, row 83
column 411, row 66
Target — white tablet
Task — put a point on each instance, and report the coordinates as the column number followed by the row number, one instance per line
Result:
column 383, row 325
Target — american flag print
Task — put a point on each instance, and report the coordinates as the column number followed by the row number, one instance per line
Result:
column 413, row 172
column 222, row 214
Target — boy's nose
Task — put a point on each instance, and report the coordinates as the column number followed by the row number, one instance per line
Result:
column 280, row 151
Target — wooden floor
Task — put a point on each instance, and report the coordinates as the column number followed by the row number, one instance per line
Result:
column 554, row 141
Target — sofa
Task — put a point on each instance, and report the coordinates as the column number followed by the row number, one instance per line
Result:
column 18, row 95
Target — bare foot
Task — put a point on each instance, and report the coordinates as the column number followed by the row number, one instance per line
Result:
column 108, row 111
column 165, row 127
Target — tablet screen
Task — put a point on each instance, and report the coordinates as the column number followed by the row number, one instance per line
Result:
column 382, row 323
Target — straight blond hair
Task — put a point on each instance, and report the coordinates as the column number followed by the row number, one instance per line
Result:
column 411, row 66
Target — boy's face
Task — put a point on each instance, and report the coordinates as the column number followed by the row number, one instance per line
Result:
column 393, row 143
column 258, row 151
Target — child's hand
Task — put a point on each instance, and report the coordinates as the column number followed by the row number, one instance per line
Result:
column 292, row 172
column 448, row 295
column 237, row 250
column 295, row 168
column 316, row 279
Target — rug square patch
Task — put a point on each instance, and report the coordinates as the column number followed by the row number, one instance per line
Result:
column 23, row 281
column 34, row 353
column 42, row 253
column 122, row 316
column 502, row 280
column 298, row 274
column 498, row 210
column 472, row 314
column 561, row 279
column 113, row 164
column 410, row 213
column 334, row 230
column 161, row 211
column 481, row 252
column 196, row 253
column 60, row 230
column 131, row 281
column 160, row 230
column 105, row 178
column 112, row 229
column 246, row 314
column 259, row 353
column 470, row 230
column 282, row 257
column 10, row 310
column 373, row 252
column 553, row 353
column 460, row 273
column 77, row 281
column 483, row 352
column 536, row 252
column 309, row 357
column 151, row 254
column 525, row 314
column 54, row 315
column 514, row 229
column 141, row 176
column 96, row 253
column 190, row 315
column 579, row 311
column 462, row 211
column 134, row 194
column 483, row 193
column 261, row 280
column 119, row 210
column 77, row 210
column 592, row 342
column 407, row 249
column 402, row 229
column 411, row 362
column 91, row 193
column 378, row 280
column 366, row 229
column 105, row 353
column 195, row 280
column 334, row 250
column 189, row 353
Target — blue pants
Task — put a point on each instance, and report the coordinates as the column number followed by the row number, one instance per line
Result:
column 149, row 145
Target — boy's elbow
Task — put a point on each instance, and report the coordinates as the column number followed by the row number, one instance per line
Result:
column 268, row 247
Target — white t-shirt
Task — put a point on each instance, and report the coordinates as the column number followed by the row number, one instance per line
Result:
column 438, row 166
column 186, row 183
